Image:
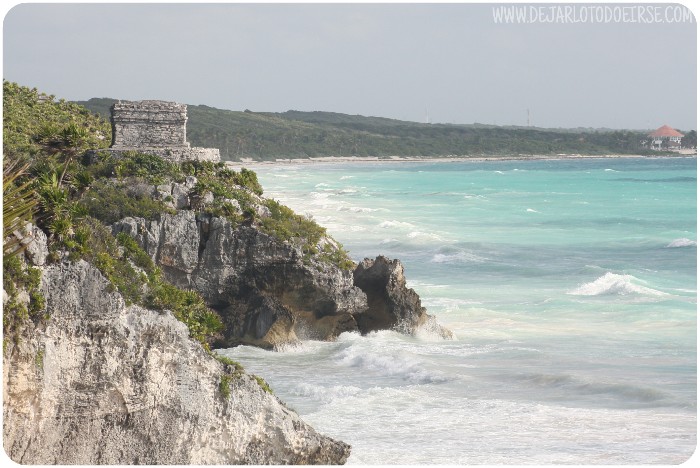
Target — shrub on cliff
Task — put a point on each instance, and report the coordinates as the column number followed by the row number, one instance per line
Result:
column 109, row 201
column 27, row 111
column 79, row 197
column 288, row 226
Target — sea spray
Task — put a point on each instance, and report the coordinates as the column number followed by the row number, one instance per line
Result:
column 575, row 327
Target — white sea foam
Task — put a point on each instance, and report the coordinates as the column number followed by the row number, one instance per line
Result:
column 388, row 364
column 321, row 185
column 392, row 224
column 322, row 393
column 423, row 235
column 584, row 359
column 614, row 284
column 682, row 242
column 530, row 210
column 346, row 177
column 458, row 257
column 357, row 209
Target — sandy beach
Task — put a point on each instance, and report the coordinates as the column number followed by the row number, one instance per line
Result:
column 250, row 162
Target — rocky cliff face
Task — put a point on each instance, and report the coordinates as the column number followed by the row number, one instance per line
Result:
column 266, row 292
column 105, row 383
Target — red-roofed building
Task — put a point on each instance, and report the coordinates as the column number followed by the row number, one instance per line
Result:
column 665, row 136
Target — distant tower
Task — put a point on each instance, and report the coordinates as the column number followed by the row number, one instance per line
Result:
column 528, row 117
column 427, row 117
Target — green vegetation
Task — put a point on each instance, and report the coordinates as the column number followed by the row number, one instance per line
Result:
column 294, row 134
column 39, row 359
column 112, row 200
column 233, row 369
column 72, row 200
column 74, row 196
column 19, row 277
column 19, row 204
column 226, row 361
column 690, row 139
column 287, row 226
column 225, row 386
column 29, row 116
column 263, row 384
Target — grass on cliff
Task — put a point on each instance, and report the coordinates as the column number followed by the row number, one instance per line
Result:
column 24, row 299
column 287, row 226
column 79, row 194
column 76, row 199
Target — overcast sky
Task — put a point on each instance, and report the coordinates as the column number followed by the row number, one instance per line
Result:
column 393, row 60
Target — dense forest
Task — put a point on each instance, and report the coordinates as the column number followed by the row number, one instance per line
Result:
column 295, row 134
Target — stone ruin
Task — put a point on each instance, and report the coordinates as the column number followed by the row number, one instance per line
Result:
column 155, row 127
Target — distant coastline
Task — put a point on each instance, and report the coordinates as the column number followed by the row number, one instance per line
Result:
column 249, row 162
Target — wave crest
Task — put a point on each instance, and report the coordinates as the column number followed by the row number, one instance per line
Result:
column 614, row 284
column 682, row 242
column 389, row 364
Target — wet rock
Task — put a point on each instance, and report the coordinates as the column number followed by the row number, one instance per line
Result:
column 391, row 305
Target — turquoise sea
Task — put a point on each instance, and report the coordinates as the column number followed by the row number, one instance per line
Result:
column 570, row 286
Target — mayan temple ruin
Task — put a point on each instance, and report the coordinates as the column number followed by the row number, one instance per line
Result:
column 155, row 127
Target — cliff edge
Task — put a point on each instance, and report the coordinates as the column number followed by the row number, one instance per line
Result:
column 101, row 382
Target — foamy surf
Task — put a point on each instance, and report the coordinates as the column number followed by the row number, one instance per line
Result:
column 563, row 354
column 459, row 257
column 614, row 284
column 682, row 242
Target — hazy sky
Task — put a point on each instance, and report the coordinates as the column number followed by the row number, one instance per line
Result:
column 390, row 60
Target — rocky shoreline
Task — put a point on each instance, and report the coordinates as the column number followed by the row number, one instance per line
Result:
column 99, row 381
column 267, row 293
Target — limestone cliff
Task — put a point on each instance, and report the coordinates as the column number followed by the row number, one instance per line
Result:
column 267, row 293
column 100, row 382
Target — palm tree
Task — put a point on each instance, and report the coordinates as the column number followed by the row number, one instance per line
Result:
column 65, row 142
column 19, row 205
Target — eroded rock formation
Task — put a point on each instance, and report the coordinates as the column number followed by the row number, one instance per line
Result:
column 391, row 305
column 267, row 293
column 105, row 383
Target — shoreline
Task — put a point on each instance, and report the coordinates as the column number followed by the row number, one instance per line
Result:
column 249, row 162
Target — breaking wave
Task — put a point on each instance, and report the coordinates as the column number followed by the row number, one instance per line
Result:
column 614, row 284
column 459, row 257
column 388, row 364
column 391, row 224
column 683, row 242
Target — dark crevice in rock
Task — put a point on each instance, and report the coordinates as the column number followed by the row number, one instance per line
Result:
column 204, row 224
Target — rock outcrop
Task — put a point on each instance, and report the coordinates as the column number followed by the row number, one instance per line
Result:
column 391, row 305
column 105, row 383
column 267, row 293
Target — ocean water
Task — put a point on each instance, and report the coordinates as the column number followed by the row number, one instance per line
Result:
column 570, row 286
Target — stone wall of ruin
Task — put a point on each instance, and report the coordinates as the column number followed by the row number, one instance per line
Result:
column 155, row 127
column 149, row 124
